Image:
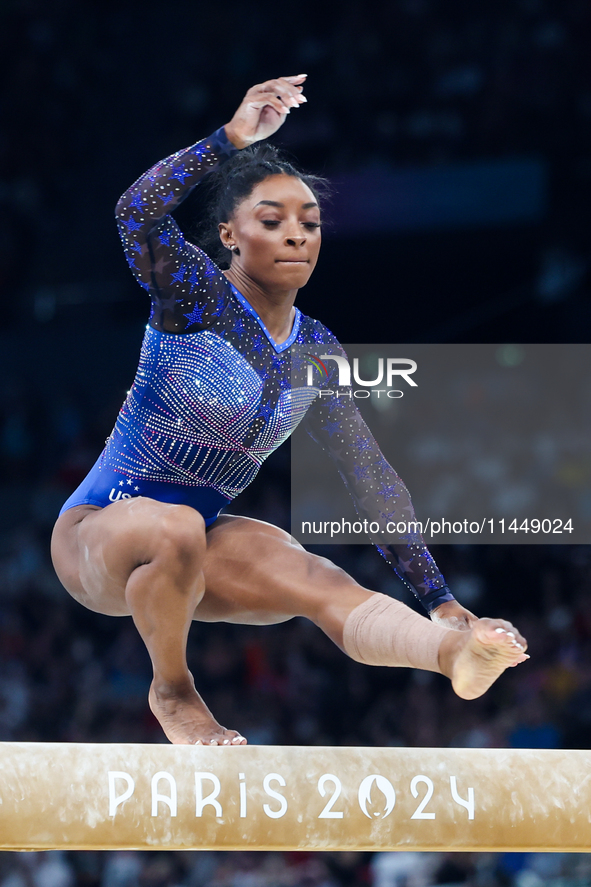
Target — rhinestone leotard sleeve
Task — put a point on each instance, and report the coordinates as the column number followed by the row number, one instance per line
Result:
column 186, row 288
column 377, row 491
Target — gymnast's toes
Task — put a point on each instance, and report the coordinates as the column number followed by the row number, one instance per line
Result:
column 236, row 739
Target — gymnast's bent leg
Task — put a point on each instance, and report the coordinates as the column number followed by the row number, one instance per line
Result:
column 145, row 558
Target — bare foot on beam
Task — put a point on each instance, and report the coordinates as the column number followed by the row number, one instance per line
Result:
column 186, row 720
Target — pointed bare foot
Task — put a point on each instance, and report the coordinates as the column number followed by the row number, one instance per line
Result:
column 483, row 654
column 186, row 720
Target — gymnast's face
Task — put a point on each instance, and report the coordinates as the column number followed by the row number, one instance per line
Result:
column 276, row 232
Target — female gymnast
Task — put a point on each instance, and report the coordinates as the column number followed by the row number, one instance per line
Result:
column 142, row 535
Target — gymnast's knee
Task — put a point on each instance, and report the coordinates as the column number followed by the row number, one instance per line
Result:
column 179, row 537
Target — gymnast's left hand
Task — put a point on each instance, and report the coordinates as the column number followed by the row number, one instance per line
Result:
column 264, row 109
column 451, row 614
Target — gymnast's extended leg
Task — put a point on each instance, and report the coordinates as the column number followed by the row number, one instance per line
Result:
column 268, row 573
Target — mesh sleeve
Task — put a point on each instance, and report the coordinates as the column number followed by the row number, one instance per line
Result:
column 187, row 289
column 377, row 491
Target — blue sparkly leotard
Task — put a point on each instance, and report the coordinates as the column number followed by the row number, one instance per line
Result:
column 214, row 394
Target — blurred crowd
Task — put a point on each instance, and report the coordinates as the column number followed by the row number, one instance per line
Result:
column 98, row 92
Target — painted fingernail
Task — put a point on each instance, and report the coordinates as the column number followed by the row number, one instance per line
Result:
column 198, row 742
column 303, row 98
column 226, row 742
column 213, row 742
column 510, row 634
column 500, row 630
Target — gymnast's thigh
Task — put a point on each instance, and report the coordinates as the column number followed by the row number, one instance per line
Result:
column 95, row 550
column 253, row 567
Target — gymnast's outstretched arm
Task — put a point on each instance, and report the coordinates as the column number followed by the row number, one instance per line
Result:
column 381, row 496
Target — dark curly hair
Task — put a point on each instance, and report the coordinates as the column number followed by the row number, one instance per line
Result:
column 231, row 182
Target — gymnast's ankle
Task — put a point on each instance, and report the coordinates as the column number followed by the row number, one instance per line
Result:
column 177, row 689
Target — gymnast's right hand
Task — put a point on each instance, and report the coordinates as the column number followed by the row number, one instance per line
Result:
column 264, row 108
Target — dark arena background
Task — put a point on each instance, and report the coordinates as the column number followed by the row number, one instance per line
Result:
column 457, row 137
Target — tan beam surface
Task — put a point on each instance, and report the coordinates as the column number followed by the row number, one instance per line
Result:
column 77, row 796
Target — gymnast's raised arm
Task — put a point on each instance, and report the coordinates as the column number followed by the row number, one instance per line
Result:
column 187, row 290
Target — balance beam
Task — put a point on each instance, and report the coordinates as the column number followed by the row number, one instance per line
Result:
column 176, row 797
